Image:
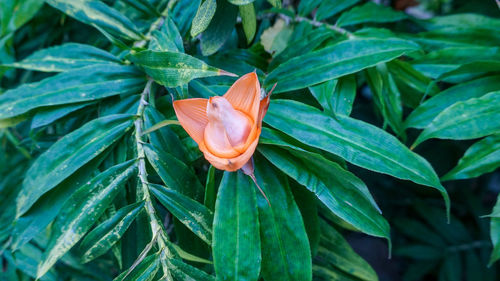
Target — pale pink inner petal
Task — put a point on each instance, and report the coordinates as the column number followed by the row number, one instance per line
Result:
column 227, row 128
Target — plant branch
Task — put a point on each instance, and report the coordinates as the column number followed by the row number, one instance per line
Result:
column 156, row 227
column 315, row 23
column 469, row 246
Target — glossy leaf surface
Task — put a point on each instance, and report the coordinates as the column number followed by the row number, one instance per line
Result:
column 68, row 154
column 355, row 141
column 336, row 61
column 77, row 217
column 236, row 242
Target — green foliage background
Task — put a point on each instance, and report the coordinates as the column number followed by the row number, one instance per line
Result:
column 382, row 124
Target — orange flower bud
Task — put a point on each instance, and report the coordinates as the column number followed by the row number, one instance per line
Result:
column 226, row 128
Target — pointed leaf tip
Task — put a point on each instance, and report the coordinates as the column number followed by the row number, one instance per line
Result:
column 226, row 73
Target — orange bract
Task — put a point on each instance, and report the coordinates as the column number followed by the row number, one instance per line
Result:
column 226, row 128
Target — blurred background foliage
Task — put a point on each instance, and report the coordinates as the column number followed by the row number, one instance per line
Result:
column 401, row 65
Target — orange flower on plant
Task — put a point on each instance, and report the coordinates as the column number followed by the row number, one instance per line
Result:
column 226, row 128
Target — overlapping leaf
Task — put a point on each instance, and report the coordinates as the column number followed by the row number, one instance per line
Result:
column 482, row 157
column 84, row 84
column 285, row 247
column 336, row 254
column 369, row 12
column 174, row 173
column 81, row 210
column 69, row 154
column 423, row 115
column 357, row 142
column 341, row 192
column 174, row 69
column 330, row 8
column 236, row 243
column 219, row 29
column 343, row 58
column 192, row 214
column 97, row 13
column 203, row 16
column 105, row 235
column 66, row 57
column 473, row 118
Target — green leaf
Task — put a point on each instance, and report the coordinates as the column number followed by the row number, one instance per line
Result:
column 285, row 249
column 423, row 115
column 470, row 119
column 412, row 84
column 168, row 38
column 49, row 115
column 91, row 199
column 439, row 62
column 305, row 44
column 68, row 154
column 65, row 57
column 108, row 233
column 97, row 13
column 336, row 96
column 341, row 191
column 419, row 252
column 164, row 137
column 357, row 142
column 307, row 6
column 457, row 37
column 85, row 84
column 145, row 271
column 370, row 12
column 236, row 242
column 275, row 38
column 248, row 20
column 203, row 16
column 144, row 6
column 343, row 58
column 418, row 269
column 174, row 173
column 451, row 268
column 306, row 201
column 470, row 71
column 219, row 29
column 418, row 231
column 183, row 13
column 275, row 3
column 26, row 260
column 481, row 158
column 48, row 206
column 461, row 20
column 184, row 271
column 192, row 214
column 386, row 97
column 173, row 69
column 495, row 233
column 210, row 191
column 335, row 252
column 330, row 8
column 14, row 14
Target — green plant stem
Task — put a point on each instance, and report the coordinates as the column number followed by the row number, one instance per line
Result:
column 315, row 23
column 156, row 227
column 469, row 246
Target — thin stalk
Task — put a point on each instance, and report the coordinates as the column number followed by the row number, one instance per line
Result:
column 156, row 227
column 335, row 28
